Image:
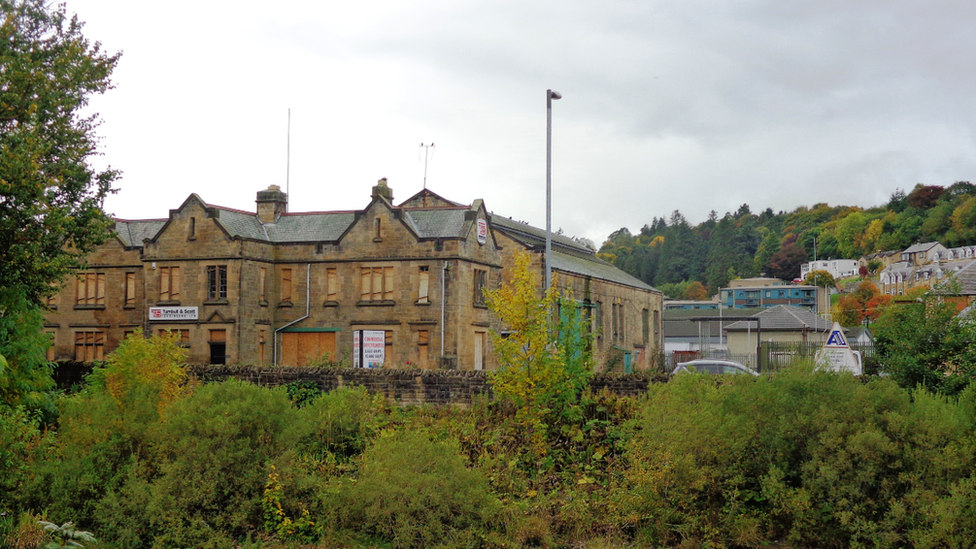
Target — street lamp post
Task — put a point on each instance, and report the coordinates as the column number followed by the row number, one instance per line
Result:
column 550, row 95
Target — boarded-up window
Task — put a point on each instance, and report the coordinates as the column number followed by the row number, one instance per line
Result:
column 261, row 346
column 89, row 346
column 217, row 282
column 306, row 348
column 332, row 285
column 423, row 339
column 645, row 328
column 91, row 289
column 389, row 346
column 657, row 322
column 286, row 285
column 479, row 350
column 377, row 284
column 423, row 291
column 598, row 319
column 480, row 282
column 169, row 283
column 50, row 349
column 261, row 278
column 130, row 289
column 613, row 320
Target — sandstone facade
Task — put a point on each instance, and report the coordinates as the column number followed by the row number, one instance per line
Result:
column 271, row 287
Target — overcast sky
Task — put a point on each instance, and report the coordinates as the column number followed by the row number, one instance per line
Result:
column 694, row 105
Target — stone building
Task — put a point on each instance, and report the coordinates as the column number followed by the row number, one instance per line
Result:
column 274, row 287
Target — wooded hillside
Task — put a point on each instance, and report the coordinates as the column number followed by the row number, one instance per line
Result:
column 744, row 244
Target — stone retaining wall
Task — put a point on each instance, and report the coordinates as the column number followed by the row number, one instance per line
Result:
column 409, row 387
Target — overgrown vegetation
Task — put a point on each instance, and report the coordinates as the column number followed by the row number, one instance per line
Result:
column 143, row 457
column 800, row 459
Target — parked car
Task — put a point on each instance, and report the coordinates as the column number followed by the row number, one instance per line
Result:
column 714, row 366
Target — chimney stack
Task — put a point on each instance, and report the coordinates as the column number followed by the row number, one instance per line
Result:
column 382, row 190
column 271, row 203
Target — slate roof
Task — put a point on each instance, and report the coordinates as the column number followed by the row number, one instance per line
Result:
column 966, row 278
column 132, row 233
column 676, row 323
column 784, row 318
column 436, row 222
column 595, row 267
column 243, row 224
column 309, row 227
column 921, row 247
column 533, row 236
column 432, row 222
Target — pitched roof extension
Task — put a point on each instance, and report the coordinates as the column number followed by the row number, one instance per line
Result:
column 784, row 318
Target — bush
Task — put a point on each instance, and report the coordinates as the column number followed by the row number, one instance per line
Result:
column 208, row 468
column 412, row 492
column 808, row 459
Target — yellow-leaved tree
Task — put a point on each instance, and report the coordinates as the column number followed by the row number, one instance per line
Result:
column 145, row 367
column 544, row 356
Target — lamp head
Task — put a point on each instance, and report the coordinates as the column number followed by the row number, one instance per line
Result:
column 554, row 94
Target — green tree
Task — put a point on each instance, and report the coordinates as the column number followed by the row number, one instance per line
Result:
column 50, row 197
column 923, row 342
column 820, row 279
column 544, row 360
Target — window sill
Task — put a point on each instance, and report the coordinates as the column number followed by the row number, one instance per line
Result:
column 89, row 307
column 168, row 303
column 331, row 304
column 388, row 303
column 263, row 303
column 216, row 302
column 127, row 307
column 480, row 306
column 424, row 303
column 285, row 305
column 377, row 239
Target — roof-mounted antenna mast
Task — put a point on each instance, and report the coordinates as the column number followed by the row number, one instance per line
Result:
column 426, row 149
column 288, row 157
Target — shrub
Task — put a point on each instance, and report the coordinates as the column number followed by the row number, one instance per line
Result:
column 412, row 492
column 202, row 481
column 808, row 459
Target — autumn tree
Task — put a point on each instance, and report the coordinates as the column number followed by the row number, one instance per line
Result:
column 695, row 291
column 50, row 196
column 865, row 304
column 544, row 356
column 820, row 278
column 786, row 262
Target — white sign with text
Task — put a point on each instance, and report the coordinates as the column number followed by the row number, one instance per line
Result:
column 368, row 348
column 173, row 313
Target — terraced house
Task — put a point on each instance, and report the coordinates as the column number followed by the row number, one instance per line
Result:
column 274, row 287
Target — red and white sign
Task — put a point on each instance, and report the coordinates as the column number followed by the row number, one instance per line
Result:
column 173, row 313
column 482, row 231
column 368, row 348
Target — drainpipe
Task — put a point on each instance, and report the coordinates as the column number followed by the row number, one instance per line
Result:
column 443, row 299
column 308, row 301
